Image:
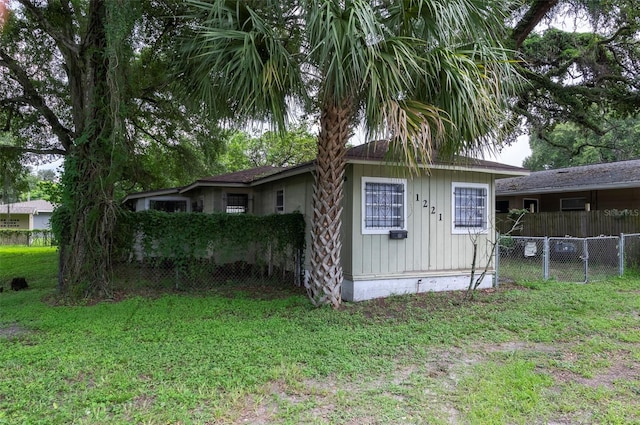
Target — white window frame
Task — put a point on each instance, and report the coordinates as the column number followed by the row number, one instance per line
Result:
column 537, row 209
column 383, row 230
column 465, row 230
column 236, row 209
column 280, row 208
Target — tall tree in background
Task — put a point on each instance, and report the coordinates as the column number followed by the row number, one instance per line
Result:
column 277, row 149
column 87, row 80
column 569, row 145
column 582, row 61
column 425, row 74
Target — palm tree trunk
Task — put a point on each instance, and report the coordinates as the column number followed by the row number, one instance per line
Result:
column 325, row 283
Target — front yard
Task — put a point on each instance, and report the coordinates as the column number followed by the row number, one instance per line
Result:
column 539, row 353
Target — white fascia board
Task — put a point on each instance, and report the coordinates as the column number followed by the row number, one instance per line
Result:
column 211, row 184
column 160, row 192
column 271, row 178
column 494, row 171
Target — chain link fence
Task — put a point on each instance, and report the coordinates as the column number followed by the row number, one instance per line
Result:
column 566, row 259
column 631, row 251
column 256, row 267
column 38, row 237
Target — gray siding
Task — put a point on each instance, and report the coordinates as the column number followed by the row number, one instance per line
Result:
column 41, row 220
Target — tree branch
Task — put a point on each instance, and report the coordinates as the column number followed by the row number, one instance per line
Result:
column 570, row 98
column 615, row 35
column 39, row 151
column 35, row 100
column 534, row 15
column 65, row 39
column 21, row 100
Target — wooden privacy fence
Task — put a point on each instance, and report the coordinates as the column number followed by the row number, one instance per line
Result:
column 581, row 224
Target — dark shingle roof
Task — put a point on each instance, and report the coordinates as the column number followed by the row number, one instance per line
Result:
column 244, row 176
column 372, row 151
column 378, row 151
column 586, row 177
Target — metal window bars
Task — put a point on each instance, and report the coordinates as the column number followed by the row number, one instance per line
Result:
column 384, row 205
column 470, row 207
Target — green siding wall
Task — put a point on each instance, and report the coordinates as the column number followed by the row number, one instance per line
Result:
column 430, row 246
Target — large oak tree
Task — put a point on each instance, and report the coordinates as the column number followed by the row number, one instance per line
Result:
column 88, row 80
column 582, row 61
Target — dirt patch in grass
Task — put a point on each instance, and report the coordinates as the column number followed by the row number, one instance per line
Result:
column 12, row 330
column 360, row 399
column 621, row 369
column 405, row 306
column 432, row 380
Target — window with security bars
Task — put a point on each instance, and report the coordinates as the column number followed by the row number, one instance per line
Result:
column 168, row 205
column 237, row 203
column 469, row 207
column 384, row 206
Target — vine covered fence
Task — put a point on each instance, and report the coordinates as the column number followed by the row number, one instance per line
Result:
column 200, row 251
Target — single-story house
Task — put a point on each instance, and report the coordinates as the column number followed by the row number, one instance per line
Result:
column 27, row 215
column 610, row 186
column 400, row 233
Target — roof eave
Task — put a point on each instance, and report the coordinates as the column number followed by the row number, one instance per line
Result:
column 584, row 188
column 449, row 167
column 291, row 172
column 199, row 184
column 160, row 192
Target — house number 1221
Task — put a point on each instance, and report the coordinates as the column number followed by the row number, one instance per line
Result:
column 425, row 204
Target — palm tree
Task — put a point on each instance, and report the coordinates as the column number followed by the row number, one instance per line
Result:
column 424, row 74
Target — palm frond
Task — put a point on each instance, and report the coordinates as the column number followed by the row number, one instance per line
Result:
column 244, row 64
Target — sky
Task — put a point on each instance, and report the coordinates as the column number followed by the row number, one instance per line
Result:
column 514, row 154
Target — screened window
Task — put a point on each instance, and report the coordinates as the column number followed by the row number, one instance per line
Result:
column 197, row 205
column 384, row 205
column 280, row 201
column 573, row 204
column 470, row 212
column 237, row 203
column 502, row 206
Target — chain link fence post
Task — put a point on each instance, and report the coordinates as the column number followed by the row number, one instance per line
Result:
column 585, row 259
column 545, row 261
column 621, row 255
column 496, row 277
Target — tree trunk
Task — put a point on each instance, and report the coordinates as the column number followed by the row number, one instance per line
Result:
column 325, row 283
column 86, row 255
column 89, row 173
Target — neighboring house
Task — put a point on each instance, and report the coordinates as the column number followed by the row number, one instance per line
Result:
column 611, row 186
column 400, row 234
column 28, row 215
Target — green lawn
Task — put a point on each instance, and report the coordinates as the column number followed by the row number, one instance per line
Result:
column 540, row 353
